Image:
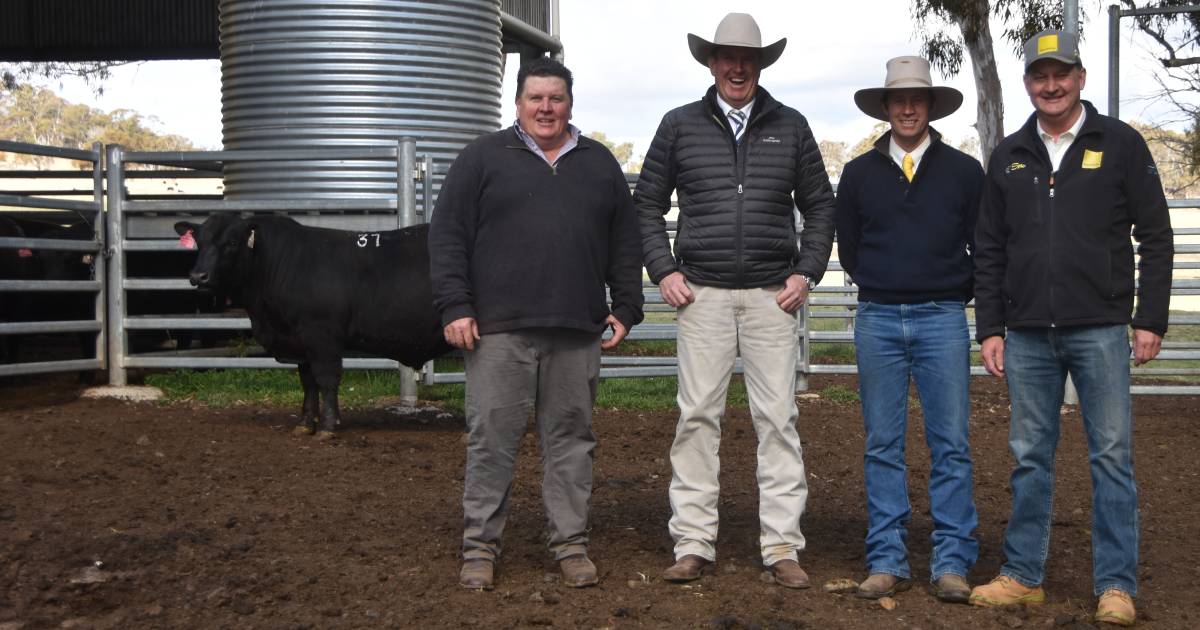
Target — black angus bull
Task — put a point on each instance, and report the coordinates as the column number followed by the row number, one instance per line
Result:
column 15, row 264
column 314, row 293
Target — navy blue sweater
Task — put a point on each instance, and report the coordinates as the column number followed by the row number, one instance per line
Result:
column 902, row 242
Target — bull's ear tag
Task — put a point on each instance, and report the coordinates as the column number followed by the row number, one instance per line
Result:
column 250, row 241
column 187, row 241
column 24, row 252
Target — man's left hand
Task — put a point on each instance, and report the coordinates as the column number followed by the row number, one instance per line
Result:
column 793, row 294
column 1145, row 346
column 619, row 332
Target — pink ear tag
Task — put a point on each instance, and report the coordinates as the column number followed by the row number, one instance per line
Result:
column 24, row 252
column 187, row 241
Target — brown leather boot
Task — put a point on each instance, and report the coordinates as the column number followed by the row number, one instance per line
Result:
column 953, row 589
column 789, row 574
column 879, row 585
column 689, row 567
column 578, row 571
column 476, row 574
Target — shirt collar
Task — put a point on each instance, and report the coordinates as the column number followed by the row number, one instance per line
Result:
column 726, row 107
column 1068, row 134
column 897, row 153
column 571, row 143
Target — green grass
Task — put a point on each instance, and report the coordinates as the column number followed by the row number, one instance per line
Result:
column 839, row 394
column 224, row 388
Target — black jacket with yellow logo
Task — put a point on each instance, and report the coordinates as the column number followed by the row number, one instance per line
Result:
column 1054, row 249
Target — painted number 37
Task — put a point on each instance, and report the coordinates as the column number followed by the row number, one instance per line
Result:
column 368, row 239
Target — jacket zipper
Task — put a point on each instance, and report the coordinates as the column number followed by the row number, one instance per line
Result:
column 1051, row 247
column 739, row 174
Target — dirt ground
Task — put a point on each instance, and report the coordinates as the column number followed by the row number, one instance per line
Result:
column 140, row 515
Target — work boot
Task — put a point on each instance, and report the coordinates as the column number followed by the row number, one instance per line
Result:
column 1116, row 607
column 689, row 567
column 789, row 574
column 1003, row 591
column 879, row 585
column 953, row 589
column 476, row 574
column 578, row 571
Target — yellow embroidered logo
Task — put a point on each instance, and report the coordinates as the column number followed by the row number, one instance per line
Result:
column 1015, row 166
column 1047, row 44
column 1092, row 159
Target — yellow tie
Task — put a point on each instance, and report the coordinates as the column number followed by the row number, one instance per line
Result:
column 907, row 165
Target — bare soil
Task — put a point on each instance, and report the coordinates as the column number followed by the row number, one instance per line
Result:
column 139, row 515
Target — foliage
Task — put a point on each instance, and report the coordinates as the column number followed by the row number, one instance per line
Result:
column 93, row 73
column 1173, row 154
column 835, row 154
column 39, row 116
column 623, row 152
column 1177, row 38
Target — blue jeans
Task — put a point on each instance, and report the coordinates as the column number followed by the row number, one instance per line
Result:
column 1036, row 364
column 927, row 343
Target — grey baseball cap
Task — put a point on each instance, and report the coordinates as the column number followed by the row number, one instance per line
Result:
column 1052, row 44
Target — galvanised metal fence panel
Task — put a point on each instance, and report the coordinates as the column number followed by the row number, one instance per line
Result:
column 49, row 202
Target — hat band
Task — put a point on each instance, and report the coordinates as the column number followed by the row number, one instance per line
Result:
column 907, row 82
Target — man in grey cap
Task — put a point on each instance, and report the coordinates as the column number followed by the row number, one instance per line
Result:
column 906, row 226
column 1054, row 291
column 740, row 162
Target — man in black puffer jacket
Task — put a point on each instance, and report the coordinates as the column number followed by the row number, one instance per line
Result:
column 740, row 162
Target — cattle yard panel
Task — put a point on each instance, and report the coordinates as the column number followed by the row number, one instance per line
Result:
column 147, row 226
column 46, row 201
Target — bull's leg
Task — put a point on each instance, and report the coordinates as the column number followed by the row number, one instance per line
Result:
column 328, row 376
column 308, row 410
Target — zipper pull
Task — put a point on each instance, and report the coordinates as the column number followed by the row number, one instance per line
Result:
column 739, row 189
column 1052, row 186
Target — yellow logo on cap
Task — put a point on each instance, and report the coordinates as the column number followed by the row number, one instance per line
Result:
column 1047, row 44
column 1091, row 159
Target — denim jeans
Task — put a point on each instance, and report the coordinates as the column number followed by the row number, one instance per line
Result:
column 927, row 343
column 1036, row 364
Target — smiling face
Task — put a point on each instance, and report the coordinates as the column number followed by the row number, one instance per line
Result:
column 1053, row 88
column 908, row 111
column 544, row 109
column 735, row 70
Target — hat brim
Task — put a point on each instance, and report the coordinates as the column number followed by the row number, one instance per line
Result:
column 946, row 101
column 702, row 49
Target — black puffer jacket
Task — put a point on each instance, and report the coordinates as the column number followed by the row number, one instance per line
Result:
column 736, row 227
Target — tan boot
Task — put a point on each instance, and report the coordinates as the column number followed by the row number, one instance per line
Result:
column 476, row 574
column 789, row 574
column 1003, row 591
column 578, row 571
column 689, row 567
column 953, row 589
column 1116, row 607
column 882, row 585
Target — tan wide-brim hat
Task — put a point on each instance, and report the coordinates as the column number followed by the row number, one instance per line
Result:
column 736, row 29
column 906, row 73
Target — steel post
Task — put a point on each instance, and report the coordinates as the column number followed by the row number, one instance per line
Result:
column 115, row 251
column 406, row 215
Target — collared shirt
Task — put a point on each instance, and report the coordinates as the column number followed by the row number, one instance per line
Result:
column 726, row 108
column 898, row 153
column 1058, row 148
column 571, row 143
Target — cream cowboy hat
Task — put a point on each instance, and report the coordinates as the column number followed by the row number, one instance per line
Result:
column 908, row 72
column 736, row 29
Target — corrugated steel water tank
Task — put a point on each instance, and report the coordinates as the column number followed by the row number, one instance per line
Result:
column 305, row 74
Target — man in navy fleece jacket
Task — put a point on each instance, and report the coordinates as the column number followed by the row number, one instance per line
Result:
column 905, row 222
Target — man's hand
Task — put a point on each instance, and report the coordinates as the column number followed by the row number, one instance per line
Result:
column 793, row 294
column 462, row 333
column 619, row 332
column 1145, row 346
column 675, row 291
column 992, row 353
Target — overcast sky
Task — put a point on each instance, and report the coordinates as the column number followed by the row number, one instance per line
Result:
column 632, row 64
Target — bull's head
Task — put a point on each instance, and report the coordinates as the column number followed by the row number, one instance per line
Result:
column 223, row 243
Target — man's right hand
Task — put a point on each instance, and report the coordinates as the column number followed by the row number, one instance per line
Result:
column 992, row 353
column 675, row 291
column 462, row 333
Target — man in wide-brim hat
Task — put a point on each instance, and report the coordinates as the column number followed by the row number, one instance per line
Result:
column 739, row 160
column 905, row 220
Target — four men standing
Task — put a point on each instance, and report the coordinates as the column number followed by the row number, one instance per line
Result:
column 534, row 221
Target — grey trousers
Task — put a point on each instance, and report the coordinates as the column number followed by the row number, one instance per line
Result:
column 552, row 372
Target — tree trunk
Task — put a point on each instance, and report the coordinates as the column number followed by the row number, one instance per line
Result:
column 977, row 36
